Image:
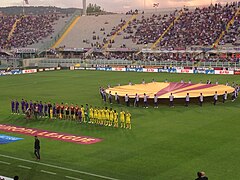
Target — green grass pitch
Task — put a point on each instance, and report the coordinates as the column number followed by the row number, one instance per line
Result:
column 165, row 143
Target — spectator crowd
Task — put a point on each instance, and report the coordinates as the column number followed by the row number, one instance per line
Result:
column 29, row 29
column 201, row 27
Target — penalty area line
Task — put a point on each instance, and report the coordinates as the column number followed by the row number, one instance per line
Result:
column 48, row 172
column 69, row 177
column 58, row 167
column 24, row 167
column 3, row 162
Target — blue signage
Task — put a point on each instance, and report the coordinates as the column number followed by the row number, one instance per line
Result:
column 170, row 70
column 4, row 139
column 16, row 71
column 104, row 68
column 210, row 72
column 199, row 71
column 12, row 72
column 134, row 69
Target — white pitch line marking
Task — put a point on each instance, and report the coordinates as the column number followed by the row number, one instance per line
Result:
column 3, row 162
column 69, row 177
column 48, row 172
column 24, row 167
column 59, row 167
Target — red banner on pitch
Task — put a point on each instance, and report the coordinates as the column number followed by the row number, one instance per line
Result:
column 49, row 134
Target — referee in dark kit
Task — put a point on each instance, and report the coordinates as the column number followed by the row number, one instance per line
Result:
column 37, row 148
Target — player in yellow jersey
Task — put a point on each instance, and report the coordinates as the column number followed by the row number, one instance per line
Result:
column 95, row 115
column 103, row 116
column 83, row 114
column 128, row 120
column 122, row 119
column 99, row 116
column 91, row 115
column 115, row 117
column 106, row 111
column 111, row 117
column 51, row 113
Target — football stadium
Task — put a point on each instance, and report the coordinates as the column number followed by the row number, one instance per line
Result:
column 120, row 90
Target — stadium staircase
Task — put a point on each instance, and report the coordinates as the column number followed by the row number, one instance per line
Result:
column 89, row 52
column 66, row 30
column 230, row 23
column 166, row 31
column 134, row 16
column 14, row 27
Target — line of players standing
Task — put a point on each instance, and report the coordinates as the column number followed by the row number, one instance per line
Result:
column 104, row 116
column 136, row 103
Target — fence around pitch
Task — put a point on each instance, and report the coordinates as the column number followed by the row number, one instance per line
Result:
column 122, row 62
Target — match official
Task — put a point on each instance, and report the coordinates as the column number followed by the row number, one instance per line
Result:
column 37, row 148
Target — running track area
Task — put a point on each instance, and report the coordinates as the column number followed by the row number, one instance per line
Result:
column 48, row 169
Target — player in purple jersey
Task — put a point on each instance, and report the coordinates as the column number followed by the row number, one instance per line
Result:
column 45, row 106
column 23, row 106
column 34, row 105
column 40, row 108
column 26, row 105
column 13, row 106
column 17, row 106
column 31, row 105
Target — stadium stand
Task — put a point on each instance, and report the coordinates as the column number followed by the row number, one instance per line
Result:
column 173, row 29
column 23, row 31
column 57, row 26
column 196, row 35
column 91, row 31
column 145, row 30
column 118, row 30
column 7, row 23
column 200, row 27
column 232, row 36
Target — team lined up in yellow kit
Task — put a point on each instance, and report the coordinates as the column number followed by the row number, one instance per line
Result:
column 107, row 117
